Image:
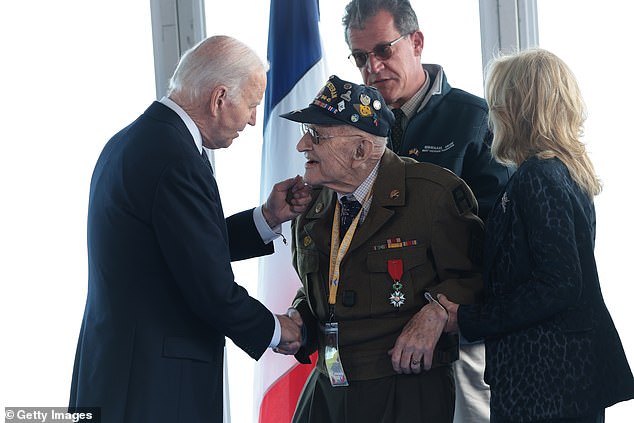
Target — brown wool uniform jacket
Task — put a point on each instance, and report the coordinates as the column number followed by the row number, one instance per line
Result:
column 412, row 201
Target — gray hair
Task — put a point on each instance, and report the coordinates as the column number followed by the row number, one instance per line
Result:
column 358, row 11
column 379, row 143
column 217, row 60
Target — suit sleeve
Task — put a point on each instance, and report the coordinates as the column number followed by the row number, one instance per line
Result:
column 244, row 239
column 553, row 281
column 192, row 235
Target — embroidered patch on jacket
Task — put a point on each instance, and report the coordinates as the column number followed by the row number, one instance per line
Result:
column 437, row 148
column 462, row 200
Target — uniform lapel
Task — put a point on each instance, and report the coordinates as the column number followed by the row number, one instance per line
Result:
column 319, row 219
column 388, row 192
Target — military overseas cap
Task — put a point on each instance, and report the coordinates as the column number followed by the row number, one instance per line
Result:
column 342, row 102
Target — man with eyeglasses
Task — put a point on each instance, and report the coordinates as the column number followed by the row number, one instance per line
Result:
column 435, row 123
column 440, row 124
column 383, row 236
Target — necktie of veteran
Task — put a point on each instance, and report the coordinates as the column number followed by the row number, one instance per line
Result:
column 397, row 130
column 349, row 209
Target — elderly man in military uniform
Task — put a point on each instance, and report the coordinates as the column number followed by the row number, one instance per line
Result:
column 384, row 236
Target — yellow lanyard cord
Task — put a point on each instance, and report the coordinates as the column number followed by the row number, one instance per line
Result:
column 338, row 251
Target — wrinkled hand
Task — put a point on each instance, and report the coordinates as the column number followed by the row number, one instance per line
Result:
column 452, row 309
column 414, row 348
column 295, row 316
column 291, row 339
column 286, row 201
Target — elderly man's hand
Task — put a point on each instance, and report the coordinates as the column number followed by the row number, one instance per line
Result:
column 452, row 309
column 414, row 348
column 291, row 339
column 287, row 200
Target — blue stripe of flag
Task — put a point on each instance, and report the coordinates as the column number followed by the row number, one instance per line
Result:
column 293, row 47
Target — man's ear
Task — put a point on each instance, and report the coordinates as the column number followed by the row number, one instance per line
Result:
column 362, row 152
column 218, row 99
column 419, row 41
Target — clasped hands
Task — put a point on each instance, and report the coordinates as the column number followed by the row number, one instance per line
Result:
column 413, row 350
column 286, row 201
column 291, row 340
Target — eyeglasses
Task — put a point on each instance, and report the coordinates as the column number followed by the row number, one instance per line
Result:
column 316, row 138
column 380, row 51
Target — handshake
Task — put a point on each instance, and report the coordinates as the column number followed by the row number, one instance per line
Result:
column 291, row 339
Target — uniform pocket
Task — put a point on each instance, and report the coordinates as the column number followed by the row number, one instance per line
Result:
column 417, row 275
column 307, row 261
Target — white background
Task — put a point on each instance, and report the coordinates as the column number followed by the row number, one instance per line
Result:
column 75, row 71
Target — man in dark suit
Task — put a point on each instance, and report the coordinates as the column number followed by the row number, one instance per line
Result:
column 381, row 355
column 161, row 292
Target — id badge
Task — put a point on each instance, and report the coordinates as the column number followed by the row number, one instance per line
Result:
column 332, row 359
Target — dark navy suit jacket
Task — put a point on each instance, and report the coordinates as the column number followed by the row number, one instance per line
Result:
column 451, row 131
column 552, row 350
column 161, row 292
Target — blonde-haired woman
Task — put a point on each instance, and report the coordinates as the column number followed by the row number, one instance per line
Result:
column 552, row 351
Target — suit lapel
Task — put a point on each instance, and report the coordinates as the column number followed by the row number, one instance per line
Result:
column 161, row 112
column 319, row 217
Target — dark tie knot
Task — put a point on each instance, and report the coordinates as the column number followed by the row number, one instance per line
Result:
column 350, row 207
column 398, row 113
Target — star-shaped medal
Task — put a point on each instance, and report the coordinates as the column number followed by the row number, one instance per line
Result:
column 397, row 298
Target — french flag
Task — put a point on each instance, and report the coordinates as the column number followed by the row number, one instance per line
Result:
column 296, row 73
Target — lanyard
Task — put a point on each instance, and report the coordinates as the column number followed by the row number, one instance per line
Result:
column 338, row 251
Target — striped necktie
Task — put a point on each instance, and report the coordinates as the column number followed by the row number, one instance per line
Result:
column 397, row 130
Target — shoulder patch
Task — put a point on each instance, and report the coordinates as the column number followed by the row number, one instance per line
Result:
column 462, row 199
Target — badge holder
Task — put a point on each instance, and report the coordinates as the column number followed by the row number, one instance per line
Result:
column 333, row 361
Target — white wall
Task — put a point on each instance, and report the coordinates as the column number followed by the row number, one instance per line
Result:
column 73, row 73
column 594, row 45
